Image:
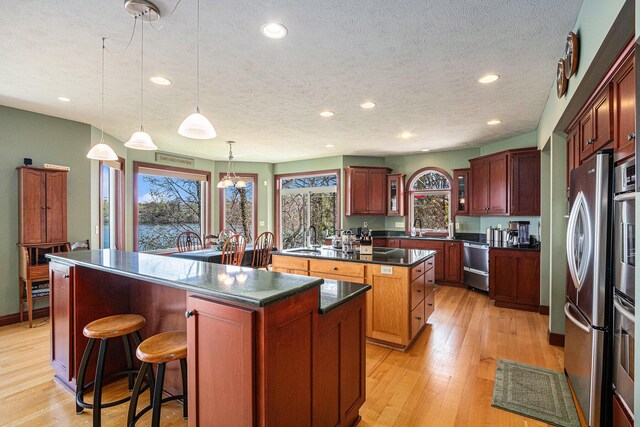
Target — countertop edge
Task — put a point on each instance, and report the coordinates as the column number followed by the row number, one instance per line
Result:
column 189, row 288
column 361, row 261
column 333, row 306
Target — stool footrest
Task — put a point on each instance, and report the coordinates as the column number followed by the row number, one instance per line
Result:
column 149, row 407
column 122, row 374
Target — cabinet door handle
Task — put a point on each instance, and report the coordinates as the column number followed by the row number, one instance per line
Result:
column 590, row 141
column 66, row 276
column 188, row 313
column 631, row 136
column 335, row 268
column 419, row 271
column 430, row 305
column 419, row 290
column 418, row 317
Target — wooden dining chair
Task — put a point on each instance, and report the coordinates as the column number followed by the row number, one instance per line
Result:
column 262, row 248
column 233, row 250
column 224, row 235
column 210, row 241
column 188, row 241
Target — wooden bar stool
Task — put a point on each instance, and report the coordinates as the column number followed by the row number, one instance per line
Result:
column 161, row 349
column 121, row 325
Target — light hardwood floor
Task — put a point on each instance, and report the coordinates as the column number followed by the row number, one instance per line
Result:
column 445, row 379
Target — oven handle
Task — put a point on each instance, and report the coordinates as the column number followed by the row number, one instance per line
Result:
column 625, row 197
column 618, row 304
column 473, row 270
column 471, row 245
column 575, row 321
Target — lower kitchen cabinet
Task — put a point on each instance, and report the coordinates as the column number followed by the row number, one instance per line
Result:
column 434, row 245
column 453, row 262
column 448, row 260
column 514, row 278
column 61, row 291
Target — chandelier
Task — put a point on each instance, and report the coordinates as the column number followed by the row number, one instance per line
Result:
column 231, row 179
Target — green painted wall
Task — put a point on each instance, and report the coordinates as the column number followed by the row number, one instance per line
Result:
column 45, row 139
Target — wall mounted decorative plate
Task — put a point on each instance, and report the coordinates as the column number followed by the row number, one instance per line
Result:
column 561, row 79
column 571, row 53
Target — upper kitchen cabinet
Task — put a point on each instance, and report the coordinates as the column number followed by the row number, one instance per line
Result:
column 395, row 194
column 595, row 125
column 624, row 93
column 489, row 179
column 461, row 191
column 42, row 205
column 525, row 183
column 505, row 183
column 573, row 150
column 366, row 190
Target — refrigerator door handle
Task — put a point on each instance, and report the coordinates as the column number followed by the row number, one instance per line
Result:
column 625, row 197
column 579, row 205
column 575, row 321
column 618, row 304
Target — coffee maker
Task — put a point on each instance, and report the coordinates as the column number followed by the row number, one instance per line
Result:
column 518, row 233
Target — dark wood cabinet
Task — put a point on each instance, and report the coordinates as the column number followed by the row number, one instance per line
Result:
column 214, row 357
column 573, row 151
column 453, row 262
column 461, row 191
column 595, row 125
column 514, row 278
column 61, row 286
column 525, row 183
column 42, row 205
column 489, row 180
column 366, row 190
column 624, row 94
column 395, row 194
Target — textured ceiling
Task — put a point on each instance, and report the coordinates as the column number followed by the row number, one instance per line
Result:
column 418, row 60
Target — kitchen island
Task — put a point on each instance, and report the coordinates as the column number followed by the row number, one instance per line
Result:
column 264, row 348
column 402, row 283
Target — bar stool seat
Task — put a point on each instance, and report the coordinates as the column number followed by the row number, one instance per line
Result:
column 126, row 326
column 114, row 326
column 161, row 349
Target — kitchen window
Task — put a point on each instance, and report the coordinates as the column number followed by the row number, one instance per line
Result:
column 303, row 200
column 429, row 198
column 239, row 207
column 168, row 201
column 111, row 222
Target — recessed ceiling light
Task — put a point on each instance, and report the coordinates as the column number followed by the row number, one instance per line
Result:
column 274, row 30
column 406, row 135
column 489, row 78
column 368, row 105
column 493, row 122
column 327, row 114
column 329, row 145
column 424, row 150
column 63, row 99
column 159, row 80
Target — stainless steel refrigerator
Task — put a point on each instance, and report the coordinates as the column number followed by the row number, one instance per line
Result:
column 588, row 307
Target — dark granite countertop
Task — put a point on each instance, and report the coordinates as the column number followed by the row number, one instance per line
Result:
column 240, row 284
column 334, row 293
column 462, row 237
column 387, row 256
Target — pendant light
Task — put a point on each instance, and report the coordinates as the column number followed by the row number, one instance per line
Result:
column 102, row 151
column 231, row 179
column 141, row 140
column 197, row 126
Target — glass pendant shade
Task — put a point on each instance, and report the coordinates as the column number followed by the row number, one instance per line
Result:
column 197, row 126
column 220, row 184
column 102, row 151
column 241, row 184
column 141, row 141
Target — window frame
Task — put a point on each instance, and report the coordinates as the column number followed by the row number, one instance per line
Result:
column 120, row 202
column 206, row 223
column 410, row 193
column 276, row 202
column 221, row 201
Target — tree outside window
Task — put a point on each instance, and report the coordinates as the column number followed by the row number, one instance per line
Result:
column 429, row 201
column 239, row 206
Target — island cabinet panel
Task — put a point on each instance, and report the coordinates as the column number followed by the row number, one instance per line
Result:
column 389, row 305
column 417, row 319
column 366, row 190
column 339, row 365
column 291, row 265
column 61, row 291
column 525, row 188
column 624, row 89
column 514, row 278
column 220, row 341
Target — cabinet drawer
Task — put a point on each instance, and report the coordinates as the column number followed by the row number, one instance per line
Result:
column 429, row 305
column 417, row 291
column 339, row 268
column 417, row 271
column 428, row 264
column 38, row 272
column 429, row 281
column 417, row 319
column 393, row 243
column 290, row 262
column 337, row 277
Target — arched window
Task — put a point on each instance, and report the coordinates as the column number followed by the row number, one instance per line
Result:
column 429, row 192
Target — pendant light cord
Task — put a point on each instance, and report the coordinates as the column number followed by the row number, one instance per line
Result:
column 102, row 85
column 133, row 32
column 141, row 73
column 198, row 57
